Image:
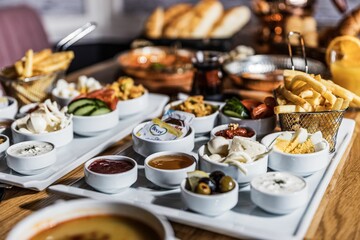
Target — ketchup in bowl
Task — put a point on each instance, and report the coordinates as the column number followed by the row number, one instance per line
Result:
column 105, row 166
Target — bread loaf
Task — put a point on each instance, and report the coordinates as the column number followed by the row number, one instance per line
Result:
column 179, row 25
column 231, row 22
column 155, row 23
column 174, row 11
column 206, row 14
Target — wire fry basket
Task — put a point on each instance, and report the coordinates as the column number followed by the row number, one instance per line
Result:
column 29, row 90
column 328, row 122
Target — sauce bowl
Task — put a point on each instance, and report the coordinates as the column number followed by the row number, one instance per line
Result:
column 111, row 183
column 11, row 110
column 30, row 165
column 167, row 178
column 278, row 202
column 71, row 210
column 226, row 126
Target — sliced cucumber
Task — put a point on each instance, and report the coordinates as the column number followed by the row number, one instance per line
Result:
column 79, row 103
column 100, row 111
column 85, row 110
column 100, row 103
column 232, row 113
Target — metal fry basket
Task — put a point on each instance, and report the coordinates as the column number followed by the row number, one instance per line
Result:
column 328, row 122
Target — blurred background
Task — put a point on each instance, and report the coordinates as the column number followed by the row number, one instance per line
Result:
column 121, row 21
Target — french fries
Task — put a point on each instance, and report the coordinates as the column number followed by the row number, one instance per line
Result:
column 39, row 63
column 44, row 65
column 308, row 93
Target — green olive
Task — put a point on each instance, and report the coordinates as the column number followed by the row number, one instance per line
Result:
column 226, row 184
column 203, row 188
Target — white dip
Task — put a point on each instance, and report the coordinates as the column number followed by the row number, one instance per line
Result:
column 31, row 149
column 278, row 183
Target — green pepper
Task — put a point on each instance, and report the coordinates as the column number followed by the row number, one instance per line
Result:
column 234, row 108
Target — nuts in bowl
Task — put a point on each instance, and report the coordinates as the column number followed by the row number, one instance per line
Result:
column 45, row 123
column 209, row 194
column 133, row 99
column 205, row 112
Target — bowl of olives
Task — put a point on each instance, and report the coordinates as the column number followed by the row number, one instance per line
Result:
column 209, row 194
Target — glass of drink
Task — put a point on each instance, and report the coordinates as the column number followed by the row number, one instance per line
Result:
column 345, row 70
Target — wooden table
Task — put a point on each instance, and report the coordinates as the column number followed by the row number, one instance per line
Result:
column 337, row 216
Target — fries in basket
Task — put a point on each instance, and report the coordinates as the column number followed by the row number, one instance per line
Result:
column 309, row 93
column 30, row 78
column 310, row 102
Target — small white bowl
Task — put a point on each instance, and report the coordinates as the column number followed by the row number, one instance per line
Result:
column 6, row 130
column 261, row 126
column 201, row 125
column 94, row 125
column 58, row 138
column 254, row 169
column 61, row 212
column 167, row 178
column 11, row 110
column 111, row 183
column 278, row 203
column 62, row 101
column 298, row 164
column 127, row 108
column 30, row 165
column 226, row 126
column 4, row 145
column 210, row 205
column 146, row 147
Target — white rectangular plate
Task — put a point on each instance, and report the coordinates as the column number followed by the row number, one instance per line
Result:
column 82, row 148
column 244, row 220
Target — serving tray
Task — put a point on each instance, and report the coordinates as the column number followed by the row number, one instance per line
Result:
column 82, row 148
column 244, row 220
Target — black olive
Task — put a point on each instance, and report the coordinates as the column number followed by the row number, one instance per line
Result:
column 203, row 188
column 209, row 182
column 226, row 184
column 216, row 176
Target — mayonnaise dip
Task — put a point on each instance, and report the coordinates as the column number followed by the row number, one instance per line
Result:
column 278, row 183
column 30, row 149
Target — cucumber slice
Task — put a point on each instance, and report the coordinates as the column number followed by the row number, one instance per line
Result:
column 232, row 114
column 79, row 103
column 100, row 103
column 85, row 110
column 100, row 111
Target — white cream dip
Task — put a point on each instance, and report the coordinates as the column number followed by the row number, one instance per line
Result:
column 31, row 149
column 278, row 183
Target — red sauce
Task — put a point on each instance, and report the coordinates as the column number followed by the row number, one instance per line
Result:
column 106, row 166
column 231, row 133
